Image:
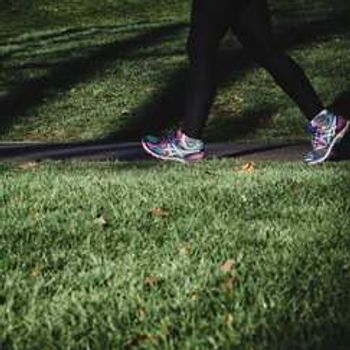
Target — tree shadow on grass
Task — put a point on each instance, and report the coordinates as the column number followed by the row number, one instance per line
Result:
column 74, row 35
column 72, row 32
column 65, row 74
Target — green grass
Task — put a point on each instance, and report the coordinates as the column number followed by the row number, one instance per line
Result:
column 88, row 264
column 124, row 256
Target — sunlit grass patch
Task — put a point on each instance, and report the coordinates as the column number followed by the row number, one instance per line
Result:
column 167, row 256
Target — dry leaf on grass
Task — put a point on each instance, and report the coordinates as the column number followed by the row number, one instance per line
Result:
column 101, row 221
column 228, row 319
column 160, row 212
column 152, row 281
column 140, row 340
column 28, row 165
column 248, row 167
column 185, row 249
column 227, row 266
column 36, row 270
column 141, row 314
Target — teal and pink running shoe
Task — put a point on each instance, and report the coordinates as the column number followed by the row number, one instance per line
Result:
column 327, row 130
column 174, row 145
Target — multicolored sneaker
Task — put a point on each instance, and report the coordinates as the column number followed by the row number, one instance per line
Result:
column 327, row 130
column 175, row 145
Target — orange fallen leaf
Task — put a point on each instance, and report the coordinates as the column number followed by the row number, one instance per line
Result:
column 28, row 165
column 36, row 271
column 152, row 281
column 160, row 212
column 227, row 266
column 141, row 339
column 185, row 249
column 141, row 314
column 228, row 320
column 248, row 167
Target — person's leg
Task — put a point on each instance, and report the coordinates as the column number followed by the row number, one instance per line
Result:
column 253, row 29
column 210, row 21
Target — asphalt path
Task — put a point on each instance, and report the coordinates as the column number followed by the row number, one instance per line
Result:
column 132, row 151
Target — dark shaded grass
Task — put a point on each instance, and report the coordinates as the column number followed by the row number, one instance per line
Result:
column 64, row 74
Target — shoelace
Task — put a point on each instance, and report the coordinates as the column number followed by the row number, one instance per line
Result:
column 168, row 138
column 320, row 138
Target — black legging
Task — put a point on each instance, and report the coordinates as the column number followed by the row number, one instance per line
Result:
column 250, row 22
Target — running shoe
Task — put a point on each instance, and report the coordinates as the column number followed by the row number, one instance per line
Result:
column 327, row 130
column 174, row 145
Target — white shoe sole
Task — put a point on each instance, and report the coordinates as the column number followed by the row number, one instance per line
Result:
column 167, row 158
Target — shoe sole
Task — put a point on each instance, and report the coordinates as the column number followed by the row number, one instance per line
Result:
column 330, row 149
column 157, row 156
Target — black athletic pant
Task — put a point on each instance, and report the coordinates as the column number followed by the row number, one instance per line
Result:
column 250, row 22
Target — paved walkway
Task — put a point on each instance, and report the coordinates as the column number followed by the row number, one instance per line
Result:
column 127, row 152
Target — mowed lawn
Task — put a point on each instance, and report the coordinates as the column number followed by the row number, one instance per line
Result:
column 216, row 255
column 210, row 256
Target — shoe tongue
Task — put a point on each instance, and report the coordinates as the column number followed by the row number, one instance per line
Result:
column 323, row 120
column 319, row 120
column 180, row 135
column 184, row 140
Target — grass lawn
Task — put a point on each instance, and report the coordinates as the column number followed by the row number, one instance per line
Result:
column 163, row 256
